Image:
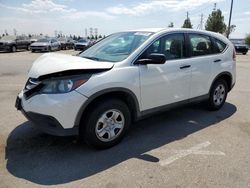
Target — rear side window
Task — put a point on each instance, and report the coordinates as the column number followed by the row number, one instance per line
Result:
column 200, row 45
column 219, row 46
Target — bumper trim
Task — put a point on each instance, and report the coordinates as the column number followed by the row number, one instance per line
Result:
column 46, row 123
column 49, row 125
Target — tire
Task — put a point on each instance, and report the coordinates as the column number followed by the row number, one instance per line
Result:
column 106, row 124
column 13, row 48
column 218, row 95
column 28, row 48
column 32, row 50
column 244, row 53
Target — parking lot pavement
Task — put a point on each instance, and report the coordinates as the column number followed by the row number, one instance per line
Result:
column 185, row 147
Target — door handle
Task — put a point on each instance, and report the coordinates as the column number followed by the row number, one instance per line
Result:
column 185, row 66
column 217, row 60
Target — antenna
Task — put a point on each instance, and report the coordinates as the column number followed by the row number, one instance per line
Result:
column 215, row 6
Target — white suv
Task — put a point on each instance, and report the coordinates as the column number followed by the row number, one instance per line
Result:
column 125, row 77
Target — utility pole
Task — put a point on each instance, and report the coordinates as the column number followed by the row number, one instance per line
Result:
column 200, row 26
column 86, row 32
column 229, row 22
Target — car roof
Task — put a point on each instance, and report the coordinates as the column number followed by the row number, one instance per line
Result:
column 188, row 30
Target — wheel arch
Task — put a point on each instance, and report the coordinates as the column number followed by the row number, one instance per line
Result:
column 123, row 94
column 227, row 76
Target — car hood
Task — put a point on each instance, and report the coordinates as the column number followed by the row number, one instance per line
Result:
column 240, row 45
column 40, row 44
column 56, row 63
column 7, row 41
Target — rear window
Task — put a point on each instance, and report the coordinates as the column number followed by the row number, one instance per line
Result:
column 219, row 46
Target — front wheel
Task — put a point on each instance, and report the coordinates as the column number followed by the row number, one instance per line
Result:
column 218, row 95
column 13, row 49
column 106, row 124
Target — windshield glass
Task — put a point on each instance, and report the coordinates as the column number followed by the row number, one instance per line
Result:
column 43, row 40
column 8, row 38
column 116, row 47
column 82, row 40
column 62, row 39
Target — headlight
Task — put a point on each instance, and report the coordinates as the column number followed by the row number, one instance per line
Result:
column 63, row 85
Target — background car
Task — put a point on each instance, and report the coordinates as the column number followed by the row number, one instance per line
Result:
column 82, row 44
column 240, row 46
column 12, row 43
column 45, row 44
column 66, row 43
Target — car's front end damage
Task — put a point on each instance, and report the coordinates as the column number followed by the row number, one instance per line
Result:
column 50, row 99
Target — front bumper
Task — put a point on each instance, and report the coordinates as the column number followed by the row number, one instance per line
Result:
column 80, row 47
column 52, row 113
column 4, row 47
column 39, row 48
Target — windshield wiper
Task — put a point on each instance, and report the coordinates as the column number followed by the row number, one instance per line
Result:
column 96, row 59
column 92, row 58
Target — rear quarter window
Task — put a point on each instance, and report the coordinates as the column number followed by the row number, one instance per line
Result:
column 219, row 46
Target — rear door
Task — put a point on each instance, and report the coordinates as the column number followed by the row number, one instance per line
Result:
column 201, row 61
column 165, row 83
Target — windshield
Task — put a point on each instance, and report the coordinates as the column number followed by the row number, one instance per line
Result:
column 82, row 40
column 116, row 47
column 8, row 38
column 43, row 40
column 62, row 39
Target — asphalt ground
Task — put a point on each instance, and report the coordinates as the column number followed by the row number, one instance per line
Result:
column 185, row 147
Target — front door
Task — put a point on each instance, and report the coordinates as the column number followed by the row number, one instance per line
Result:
column 165, row 83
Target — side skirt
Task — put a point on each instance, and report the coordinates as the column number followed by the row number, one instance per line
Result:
column 149, row 112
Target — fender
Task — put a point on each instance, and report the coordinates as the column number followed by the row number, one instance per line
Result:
column 223, row 74
column 106, row 91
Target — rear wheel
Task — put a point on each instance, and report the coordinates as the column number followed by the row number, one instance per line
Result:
column 13, row 48
column 218, row 95
column 244, row 53
column 106, row 124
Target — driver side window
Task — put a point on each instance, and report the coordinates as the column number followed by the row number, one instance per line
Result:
column 172, row 46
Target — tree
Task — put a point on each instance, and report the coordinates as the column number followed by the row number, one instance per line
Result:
column 187, row 23
column 215, row 22
column 171, row 24
column 247, row 39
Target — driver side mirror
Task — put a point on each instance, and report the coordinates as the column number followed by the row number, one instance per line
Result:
column 154, row 58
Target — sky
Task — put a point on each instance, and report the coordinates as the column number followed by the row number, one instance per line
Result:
column 109, row 16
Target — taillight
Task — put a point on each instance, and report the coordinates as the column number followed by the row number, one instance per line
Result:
column 234, row 55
